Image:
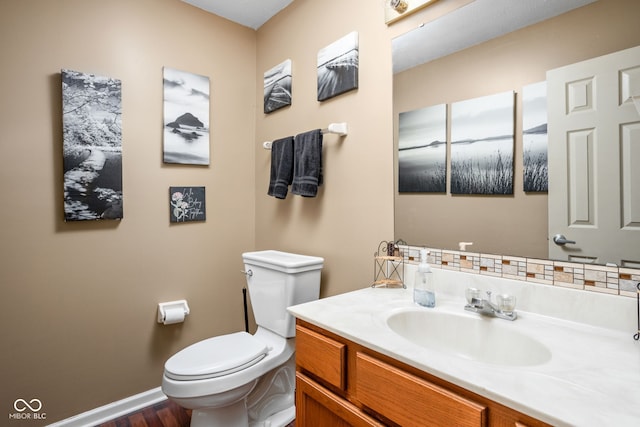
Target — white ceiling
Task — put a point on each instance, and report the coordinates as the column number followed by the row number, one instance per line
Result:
column 472, row 24
column 250, row 13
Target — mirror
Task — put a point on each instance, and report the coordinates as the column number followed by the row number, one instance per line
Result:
column 483, row 48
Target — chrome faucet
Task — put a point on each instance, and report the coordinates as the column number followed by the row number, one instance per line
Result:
column 485, row 307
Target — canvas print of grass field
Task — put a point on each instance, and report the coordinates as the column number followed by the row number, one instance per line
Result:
column 277, row 87
column 422, row 150
column 186, row 117
column 482, row 141
column 535, row 138
column 92, row 146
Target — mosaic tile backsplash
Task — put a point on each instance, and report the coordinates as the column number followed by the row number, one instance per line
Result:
column 588, row 277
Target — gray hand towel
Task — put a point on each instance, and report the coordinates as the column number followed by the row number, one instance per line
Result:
column 307, row 163
column 281, row 167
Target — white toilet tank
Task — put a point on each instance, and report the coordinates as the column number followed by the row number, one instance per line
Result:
column 277, row 280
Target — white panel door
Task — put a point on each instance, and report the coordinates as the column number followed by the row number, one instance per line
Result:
column 594, row 159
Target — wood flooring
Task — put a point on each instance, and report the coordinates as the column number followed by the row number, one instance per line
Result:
column 163, row 414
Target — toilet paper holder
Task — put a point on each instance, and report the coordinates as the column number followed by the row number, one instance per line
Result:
column 172, row 307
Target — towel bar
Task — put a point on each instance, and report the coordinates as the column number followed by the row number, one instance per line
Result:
column 336, row 128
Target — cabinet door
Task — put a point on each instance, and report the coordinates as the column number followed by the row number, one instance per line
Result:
column 318, row 407
column 321, row 356
column 412, row 401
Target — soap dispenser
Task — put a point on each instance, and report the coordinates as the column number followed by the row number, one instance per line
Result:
column 423, row 288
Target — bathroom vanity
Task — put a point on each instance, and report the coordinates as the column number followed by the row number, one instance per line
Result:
column 372, row 357
column 339, row 381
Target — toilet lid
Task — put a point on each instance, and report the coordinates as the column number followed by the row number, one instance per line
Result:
column 215, row 357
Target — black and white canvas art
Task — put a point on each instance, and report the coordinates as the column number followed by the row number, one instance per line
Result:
column 186, row 117
column 482, row 142
column 187, row 204
column 277, row 87
column 534, row 137
column 422, row 150
column 92, row 146
column 338, row 67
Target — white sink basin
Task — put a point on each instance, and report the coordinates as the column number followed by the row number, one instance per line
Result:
column 488, row 340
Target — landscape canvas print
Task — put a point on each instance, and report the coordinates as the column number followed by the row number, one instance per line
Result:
column 338, row 67
column 277, row 87
column 534, row 137
column 482, row 143
column 92, row 146
column 187, row 204
column 422, row 150
column 186, row 117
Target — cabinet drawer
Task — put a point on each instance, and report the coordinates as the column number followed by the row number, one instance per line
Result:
column 316, row 406
column 412, row 401
column 321, row 356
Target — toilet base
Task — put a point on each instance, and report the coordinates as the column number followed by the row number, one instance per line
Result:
column 232, row 415
column 236, row 415
column 280, row 419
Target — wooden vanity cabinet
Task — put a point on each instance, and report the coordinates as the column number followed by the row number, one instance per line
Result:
column 341, row 383
column 316, row 406
column 325, row 404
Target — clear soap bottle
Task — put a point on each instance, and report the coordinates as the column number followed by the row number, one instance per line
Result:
column 423, row 288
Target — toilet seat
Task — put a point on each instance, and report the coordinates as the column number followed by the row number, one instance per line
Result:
column 216, row 357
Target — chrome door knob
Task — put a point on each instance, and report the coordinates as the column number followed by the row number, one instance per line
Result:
column 560, row 240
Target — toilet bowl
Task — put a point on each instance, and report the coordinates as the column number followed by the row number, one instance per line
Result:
column 248, row 380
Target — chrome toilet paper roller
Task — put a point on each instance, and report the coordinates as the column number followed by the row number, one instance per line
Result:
column 172, row 312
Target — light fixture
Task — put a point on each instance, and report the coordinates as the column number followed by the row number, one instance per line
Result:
column 399, row 6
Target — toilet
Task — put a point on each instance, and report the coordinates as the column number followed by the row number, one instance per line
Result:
column 245, row 380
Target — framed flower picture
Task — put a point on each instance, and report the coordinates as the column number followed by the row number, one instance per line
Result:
column 187, row 204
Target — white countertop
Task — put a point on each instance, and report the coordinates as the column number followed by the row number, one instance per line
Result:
column 592, row 378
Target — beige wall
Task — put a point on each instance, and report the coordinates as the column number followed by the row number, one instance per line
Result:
column 79, row 299
column 353, row 211
column 515, row 225
column 78, row 319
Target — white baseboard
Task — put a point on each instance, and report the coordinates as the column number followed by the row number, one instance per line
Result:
column 113, row 410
